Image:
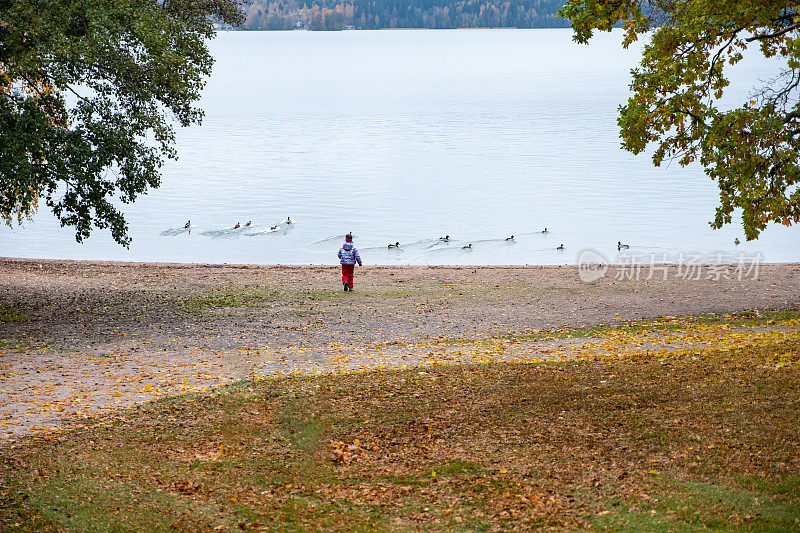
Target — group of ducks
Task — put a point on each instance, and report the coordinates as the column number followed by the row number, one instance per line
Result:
column 239, row 225
column 446, row 238
column 620, row 246
column 560, row 247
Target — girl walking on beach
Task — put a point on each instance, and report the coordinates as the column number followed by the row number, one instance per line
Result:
column 348, row 257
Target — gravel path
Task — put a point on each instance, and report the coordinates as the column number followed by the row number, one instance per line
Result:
column 99, row 336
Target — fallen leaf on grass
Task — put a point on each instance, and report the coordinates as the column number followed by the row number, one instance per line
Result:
column 345, row 453
column 187, row 486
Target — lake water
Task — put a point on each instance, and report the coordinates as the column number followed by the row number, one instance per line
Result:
column 409, row 135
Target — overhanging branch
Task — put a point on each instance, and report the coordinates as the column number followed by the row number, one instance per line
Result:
column 778, row 33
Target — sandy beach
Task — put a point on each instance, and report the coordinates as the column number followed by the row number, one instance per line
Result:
column 86, row 337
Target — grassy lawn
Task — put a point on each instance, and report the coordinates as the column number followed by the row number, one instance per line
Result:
column 703, row 441
column 9, row 313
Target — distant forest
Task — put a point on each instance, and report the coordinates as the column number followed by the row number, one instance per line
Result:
column 379, row 14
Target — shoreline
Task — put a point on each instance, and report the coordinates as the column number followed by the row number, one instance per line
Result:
column 114, row 262
column 207, row 264
column 79, row 338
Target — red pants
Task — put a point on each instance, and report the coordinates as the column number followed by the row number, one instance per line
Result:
column 347, row 275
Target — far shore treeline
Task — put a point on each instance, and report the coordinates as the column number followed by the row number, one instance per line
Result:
column 380, row 14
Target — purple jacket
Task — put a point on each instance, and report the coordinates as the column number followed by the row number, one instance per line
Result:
column 348, row 255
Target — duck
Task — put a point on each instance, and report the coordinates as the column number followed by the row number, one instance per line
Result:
column 446, row 238
column 238, row 225
column 510, row 238
column 736, row 241
column 395, row 245
column 560, row 247
column 188, row 224
column 249, row 223
column 467, row 247
column 288, row 220
column 273, row 228
column 545, row 231
column 621, row 246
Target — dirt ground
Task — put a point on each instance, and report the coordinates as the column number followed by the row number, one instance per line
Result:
column 83, row 337
column 700, row 442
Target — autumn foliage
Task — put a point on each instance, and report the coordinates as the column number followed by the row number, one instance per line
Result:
column 750, row 148
column 89, row 93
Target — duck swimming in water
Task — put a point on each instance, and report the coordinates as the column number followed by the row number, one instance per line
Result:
column 560, row 248
column 467, row 247
column 288, row 220
column 545, row 231
column 446, row 238
column 249, row 223
column 736, row 241
column 238, row 225
column 510, row 238
column 273, row 228
column 621, row 246
column 395, row 245
column 188, row 224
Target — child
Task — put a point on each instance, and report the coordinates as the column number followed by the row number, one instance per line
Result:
column 348, row 257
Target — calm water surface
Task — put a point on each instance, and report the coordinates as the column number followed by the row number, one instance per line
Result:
column 407, row 136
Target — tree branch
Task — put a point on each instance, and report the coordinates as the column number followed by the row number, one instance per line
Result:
column 791, row 116
column 778, row 33
column 719, row 54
